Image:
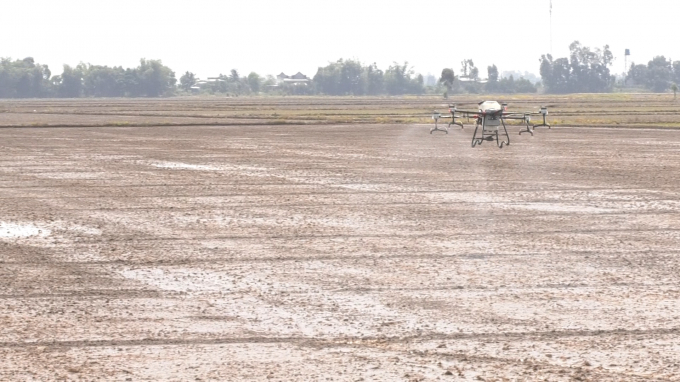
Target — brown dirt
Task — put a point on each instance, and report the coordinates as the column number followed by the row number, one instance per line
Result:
column 344, row 252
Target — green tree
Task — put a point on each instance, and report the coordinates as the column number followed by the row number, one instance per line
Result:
column 523, row 85
column 375, row 80
column 327, row 78
column 254, row 81
column 585, row 70
column 474, row 73
column 187, row 80
column 131, row 83
column 220, row 84
column 345, row 77
column 103, row 81
column 154, row 78
column 24, row 78
column 398, row 80
column 674, row 88
column 492, row 75
column 676, row 72
column 659, row 74
column 234, row 76
column 396, row 77
column 447, row 77
column 637, row 75
column 465, row 67
column 469, row 70
column 7, row 88
column 352, row 80
column 71, row 85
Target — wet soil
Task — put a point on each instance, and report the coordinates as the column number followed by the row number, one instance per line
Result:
column 342, row 252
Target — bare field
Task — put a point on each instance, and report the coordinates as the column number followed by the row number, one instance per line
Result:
column 318, row 250
column 643, row 110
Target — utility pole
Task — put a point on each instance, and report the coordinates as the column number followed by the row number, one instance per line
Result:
column 551, row 51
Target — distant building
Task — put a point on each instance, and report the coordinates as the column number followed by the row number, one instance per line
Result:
column 297, row 78
column 281, row 77
column 468, row 79
column 516, row 75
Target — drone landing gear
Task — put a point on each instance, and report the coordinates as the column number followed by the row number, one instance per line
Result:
column 490, row 135
column 437, row 115
column 445, row 129
column 545, row 123
column 453, row 119
column 436, row 128
column 456, row 123
column 528, row 130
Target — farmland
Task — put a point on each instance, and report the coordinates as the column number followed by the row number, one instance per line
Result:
column 298, row 238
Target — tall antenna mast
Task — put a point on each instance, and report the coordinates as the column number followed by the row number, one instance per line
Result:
column 551, row 27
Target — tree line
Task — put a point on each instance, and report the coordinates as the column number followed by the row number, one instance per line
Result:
column 233, row 83
column 350, row 77
column 469, row 82
column 659, row 75
column 585, row 70
column 28, row 79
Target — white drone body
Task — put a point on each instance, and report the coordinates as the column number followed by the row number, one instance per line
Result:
column 490, row 112
column 489, row 106
column 489, row 118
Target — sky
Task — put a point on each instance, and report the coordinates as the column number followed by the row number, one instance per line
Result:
column 209, row 37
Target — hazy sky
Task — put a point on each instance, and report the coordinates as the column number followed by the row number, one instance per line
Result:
column 209, row 37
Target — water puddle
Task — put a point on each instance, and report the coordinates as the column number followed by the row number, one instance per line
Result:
column 14, row 230
column 184, row 166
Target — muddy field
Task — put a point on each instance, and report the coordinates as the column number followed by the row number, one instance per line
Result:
column 308, row 249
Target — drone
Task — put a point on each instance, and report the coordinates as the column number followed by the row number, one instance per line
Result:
column 490, row 117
